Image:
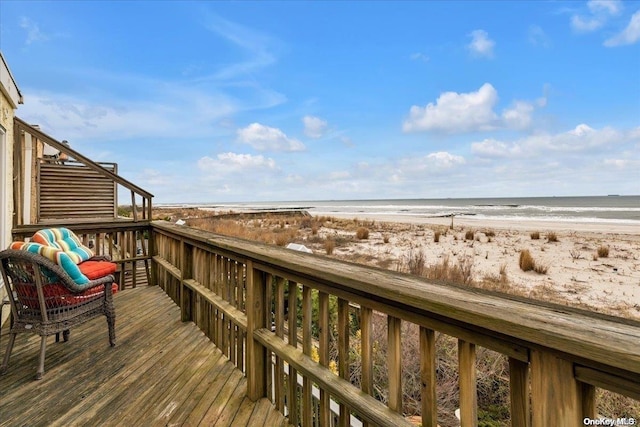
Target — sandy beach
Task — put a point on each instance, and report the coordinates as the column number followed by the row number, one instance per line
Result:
column 575, row 273
column 571, row 271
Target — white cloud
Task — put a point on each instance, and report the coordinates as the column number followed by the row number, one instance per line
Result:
column 173, row 114
column 265, row 138
column 417, row 56
column 618, row 163
column 226, row 163
column 630, row 35
column 518, row 116
column 456, row 112
column 481, row 45
column 538, row 37
column 339, row 175
column 586, row 24
column 492, row 148
column 444, row 160
column 347, row 141
column 314, row 127
column 471, row 112
column 34, row 34
column 612, row 7
column 257, row 46
column 599, row 13
column 581, row 139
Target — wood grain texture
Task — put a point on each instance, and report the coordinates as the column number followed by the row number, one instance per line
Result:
column 162, row 372
column 581, row 335
column 555, row 393
column 428, row 377
column 361, row 403
column 467, row 381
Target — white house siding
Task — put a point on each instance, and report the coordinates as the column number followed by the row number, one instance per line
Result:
column 10, row 97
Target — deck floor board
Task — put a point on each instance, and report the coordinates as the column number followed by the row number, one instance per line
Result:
column 162, row 372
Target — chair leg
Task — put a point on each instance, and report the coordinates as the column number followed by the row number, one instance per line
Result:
column 43, row 349
column 111, row 321
column 110, row 313
column 7, row 354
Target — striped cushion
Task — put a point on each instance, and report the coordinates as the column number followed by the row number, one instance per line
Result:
column 56, row 255
column 65, row 240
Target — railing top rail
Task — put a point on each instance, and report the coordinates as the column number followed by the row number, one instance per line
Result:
column 88, row 226
column 585, row 336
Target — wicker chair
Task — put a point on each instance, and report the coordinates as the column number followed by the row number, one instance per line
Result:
column 45, row 300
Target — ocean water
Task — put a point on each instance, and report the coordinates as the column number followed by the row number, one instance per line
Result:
column 608, row 209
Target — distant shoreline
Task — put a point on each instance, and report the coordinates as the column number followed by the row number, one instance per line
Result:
column 599, row 213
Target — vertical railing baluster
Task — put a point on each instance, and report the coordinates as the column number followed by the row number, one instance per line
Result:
column 343, row 354
column 256, row 352
column 428, row 377
column 366, row 352
column 467, row 384
column 556, row 396
column 519, row 392
column 394, row 362
column 269, row 322
column 279, row 329
column 323, row 353
column 292, row 395
column 306, row 348
column 186, row 265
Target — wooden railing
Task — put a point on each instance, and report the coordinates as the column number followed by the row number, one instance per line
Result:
column 269, row 310
column 95, row 186
column 126, row 243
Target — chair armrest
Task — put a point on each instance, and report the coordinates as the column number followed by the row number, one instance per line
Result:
column 103, row 281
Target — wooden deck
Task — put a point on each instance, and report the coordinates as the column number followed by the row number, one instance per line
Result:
column 162, row 372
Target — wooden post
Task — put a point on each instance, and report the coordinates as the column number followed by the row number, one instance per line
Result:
column 134, row 209
column 468, row 387
column 256, row 353
column 556, row 396
column 343, row 355
column 588, row 397
column 186, row 265
column 428, row 377
column 279, row 368
column 519, row 390
column 292, row 393
column 366, row 349
column 394, row 362
column 18, row 171
column 307, row 401
column 323, row 353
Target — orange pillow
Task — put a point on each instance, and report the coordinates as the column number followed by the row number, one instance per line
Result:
column 97, row 269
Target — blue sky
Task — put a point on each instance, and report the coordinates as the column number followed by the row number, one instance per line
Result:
column 274, row 101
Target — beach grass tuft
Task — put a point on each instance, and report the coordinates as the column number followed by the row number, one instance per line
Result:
column 603, row 251
column 535, row 235
column 552, row 237
column 329, row 246
column 526, row 261
column 362, row 233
